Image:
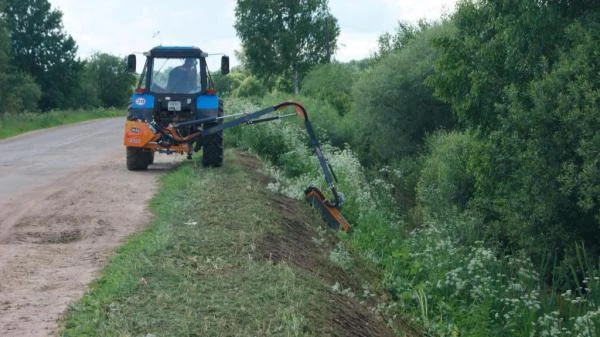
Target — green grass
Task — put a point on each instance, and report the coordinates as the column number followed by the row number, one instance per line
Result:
column 15, row 124
column 197, row 271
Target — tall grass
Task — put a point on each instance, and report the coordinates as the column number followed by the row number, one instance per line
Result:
column 12, row 124
column 442, row 282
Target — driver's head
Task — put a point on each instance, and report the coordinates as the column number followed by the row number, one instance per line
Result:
column 189, row 62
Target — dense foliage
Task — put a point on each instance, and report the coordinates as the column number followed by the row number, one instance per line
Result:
column 109, row 79
column 440, row 276
column 331, row 83
column 525, row 74
column 394, row 109
column 40, row 47
column 18, row 91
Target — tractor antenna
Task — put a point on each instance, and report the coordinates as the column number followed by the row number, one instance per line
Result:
column 157, row 35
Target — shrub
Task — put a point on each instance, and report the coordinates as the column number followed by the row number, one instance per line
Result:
column 331, row 83
column 394, row 109
column 250, row 86
column 450, row 283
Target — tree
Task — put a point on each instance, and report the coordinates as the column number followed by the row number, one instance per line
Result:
column 538, row 175
column 405, row 32
column 18, row 91
column 40, row 47
column 249, row 87
column 285, row 38
column 108, row 74
column 498, row 43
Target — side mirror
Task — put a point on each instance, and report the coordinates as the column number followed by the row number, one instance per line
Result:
column 225, row 65
column 131, row 66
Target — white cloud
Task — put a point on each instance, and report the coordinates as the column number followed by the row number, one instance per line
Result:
column 355, row 46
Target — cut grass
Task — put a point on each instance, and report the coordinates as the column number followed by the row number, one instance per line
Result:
column 201, row 269
column 15, row 124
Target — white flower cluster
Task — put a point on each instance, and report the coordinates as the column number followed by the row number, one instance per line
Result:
column 454, row 276
column 588, row 324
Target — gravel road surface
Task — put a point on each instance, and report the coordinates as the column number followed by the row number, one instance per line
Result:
column 66, row 201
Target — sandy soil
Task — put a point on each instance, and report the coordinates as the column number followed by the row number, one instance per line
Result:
column 66, row 201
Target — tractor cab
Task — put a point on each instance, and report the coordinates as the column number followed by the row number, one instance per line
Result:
column 175, row 83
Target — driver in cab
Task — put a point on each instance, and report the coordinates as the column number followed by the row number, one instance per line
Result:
column 184, row 78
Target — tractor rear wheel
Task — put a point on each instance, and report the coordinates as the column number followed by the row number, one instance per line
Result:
column 212, row 145
column 212, row 150
column 138, row 159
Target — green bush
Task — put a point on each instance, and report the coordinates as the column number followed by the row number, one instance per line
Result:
column 249, row 87
column 329, row 125
column 18, row 92
column 107, row 77
column 331, row 83
column 394, row 109
column 537, row 172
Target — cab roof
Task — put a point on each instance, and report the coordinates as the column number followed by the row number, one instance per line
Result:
column 176, row 52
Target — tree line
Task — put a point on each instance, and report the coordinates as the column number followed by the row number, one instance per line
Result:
column 39, row 67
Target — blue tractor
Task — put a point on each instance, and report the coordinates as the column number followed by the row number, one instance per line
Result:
column 174, row 101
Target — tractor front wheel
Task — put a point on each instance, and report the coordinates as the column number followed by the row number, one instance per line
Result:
column 138, row 159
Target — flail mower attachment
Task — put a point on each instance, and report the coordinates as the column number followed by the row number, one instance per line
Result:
column 329, row 209
column 330, row 213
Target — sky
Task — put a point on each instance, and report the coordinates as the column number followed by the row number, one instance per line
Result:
column 122, row 27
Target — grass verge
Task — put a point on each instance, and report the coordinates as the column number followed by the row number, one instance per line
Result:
column 15, row 124
column 225, row 257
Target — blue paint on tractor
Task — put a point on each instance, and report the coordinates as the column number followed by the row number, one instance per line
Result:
column 207, row 102
column 142, row 101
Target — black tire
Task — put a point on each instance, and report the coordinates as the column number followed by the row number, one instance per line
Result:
column 212, row 150
column 212, row 146
column 138, row 159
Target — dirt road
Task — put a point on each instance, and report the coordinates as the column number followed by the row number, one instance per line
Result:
column 66, row 201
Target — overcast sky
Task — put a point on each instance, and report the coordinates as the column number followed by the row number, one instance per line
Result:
column 120, row 27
